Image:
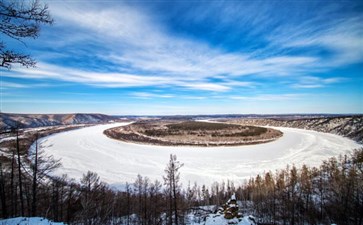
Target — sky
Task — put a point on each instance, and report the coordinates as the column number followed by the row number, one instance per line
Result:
column 191, row 57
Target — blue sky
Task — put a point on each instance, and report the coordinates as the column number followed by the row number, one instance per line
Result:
column 192, row 57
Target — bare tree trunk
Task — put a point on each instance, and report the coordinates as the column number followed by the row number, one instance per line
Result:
column 27, row 194
column 69, row 203
column 55, row 200
column 12, row 188
column 35, row 172
column 170, row 206
column 2, row 193
column 128, row 196
column 171, row 180
column 175, row 200
column 274, row 205
column 19, row 171
column 61, row 200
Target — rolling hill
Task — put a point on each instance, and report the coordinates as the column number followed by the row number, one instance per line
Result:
column 9, row 120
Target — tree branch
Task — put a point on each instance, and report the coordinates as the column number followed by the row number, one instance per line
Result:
column 21, row 19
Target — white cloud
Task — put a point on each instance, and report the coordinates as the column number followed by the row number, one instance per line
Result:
column 307, row 85
column 143, row 44
column 48, row 71
column 6, row 85
column 316, row 82
column 206, row 86
column 268, row 97
column 146, row 95
column 194, row 97
column 344, row 38
column 113, row 80
column 148, row 55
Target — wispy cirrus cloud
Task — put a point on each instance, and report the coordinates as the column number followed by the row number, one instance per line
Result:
column 147, row 54
column 269, row 97
column 316, row 82
column 342, row 38
column 5, row 85
column 114, row 79
column 49, row 71
column 222, row 51
column 147, row 95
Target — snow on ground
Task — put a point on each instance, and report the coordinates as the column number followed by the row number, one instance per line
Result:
column 220, row 220
column 7, row 139
column 117, row 162
column 217, row 219
column 28, row 221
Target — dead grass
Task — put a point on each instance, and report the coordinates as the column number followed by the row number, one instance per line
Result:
column 193, row 133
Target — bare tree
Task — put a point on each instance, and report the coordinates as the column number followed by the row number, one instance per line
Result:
column 35, row 173
column 13, row 202
column 20, row 19
column 138, row 190
column 156, row 202
column 128, row 202
column 171, row 180
column 19, row 173
column 90, row 184
column 41, row 165
column 2, row 193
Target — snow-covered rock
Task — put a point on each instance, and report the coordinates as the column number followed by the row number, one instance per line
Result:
column 217, row 219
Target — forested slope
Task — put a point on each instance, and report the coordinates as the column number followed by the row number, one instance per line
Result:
column 348, row 126
column 330, row 193
column 8, row 121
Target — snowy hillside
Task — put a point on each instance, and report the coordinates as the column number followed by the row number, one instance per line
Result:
column 38, row 120
column 347, row 126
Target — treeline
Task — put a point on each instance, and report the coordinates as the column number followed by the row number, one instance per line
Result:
column 26, row 189
column 331, row 193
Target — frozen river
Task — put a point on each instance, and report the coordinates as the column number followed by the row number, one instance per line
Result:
column 118, row 162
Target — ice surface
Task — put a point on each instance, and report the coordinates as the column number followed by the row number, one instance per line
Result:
column 117, row 162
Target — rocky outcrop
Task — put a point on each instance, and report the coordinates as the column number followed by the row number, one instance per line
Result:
column 231, row 208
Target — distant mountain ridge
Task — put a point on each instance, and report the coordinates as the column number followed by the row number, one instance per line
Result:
column 350, row 126
column 9, row 120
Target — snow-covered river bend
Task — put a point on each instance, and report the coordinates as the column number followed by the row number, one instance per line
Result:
column 118, row 162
